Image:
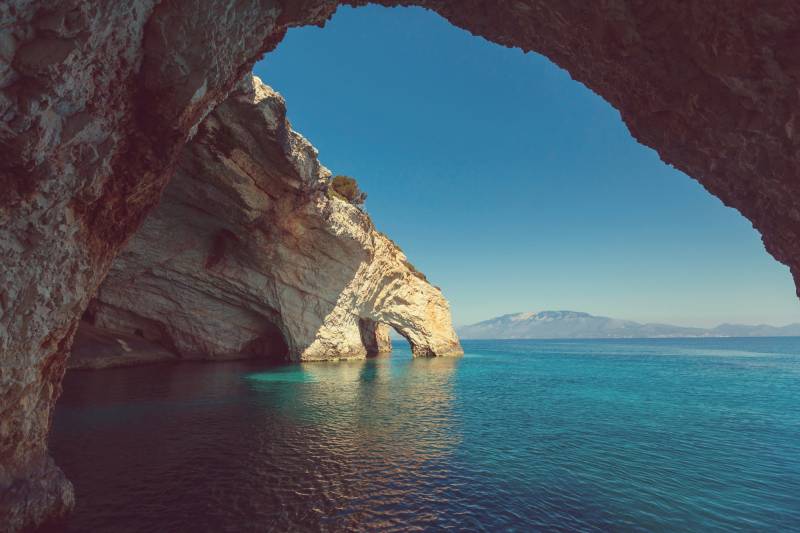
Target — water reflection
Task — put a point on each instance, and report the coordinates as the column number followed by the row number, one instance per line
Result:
column 517, row 435
column 330, row 445
column 366, row 431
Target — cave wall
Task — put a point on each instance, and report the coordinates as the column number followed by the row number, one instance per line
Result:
column 98, row 98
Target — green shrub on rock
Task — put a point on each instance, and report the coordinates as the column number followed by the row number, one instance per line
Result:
column 346, row 188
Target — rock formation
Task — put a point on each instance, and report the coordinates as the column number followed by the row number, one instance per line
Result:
column 249, row 253
column 97, row 100
column 95, row 348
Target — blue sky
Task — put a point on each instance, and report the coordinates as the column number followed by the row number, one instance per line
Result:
column 512, row 186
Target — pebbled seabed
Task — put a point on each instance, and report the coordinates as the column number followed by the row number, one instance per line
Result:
column 623, row 435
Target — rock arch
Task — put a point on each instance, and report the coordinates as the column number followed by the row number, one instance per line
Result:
column 97, row 100
column 374, row 336
column 247, row 236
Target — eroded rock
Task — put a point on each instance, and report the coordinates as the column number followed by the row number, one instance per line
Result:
column 97, row 100
column 96, row 348
column 248, row 254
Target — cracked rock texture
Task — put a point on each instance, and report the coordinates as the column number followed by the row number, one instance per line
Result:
column 97, row 100
column 247, row 254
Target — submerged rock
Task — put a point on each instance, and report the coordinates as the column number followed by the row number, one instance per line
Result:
column 247, row 254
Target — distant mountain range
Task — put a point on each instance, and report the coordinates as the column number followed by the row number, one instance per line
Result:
column 575, row 325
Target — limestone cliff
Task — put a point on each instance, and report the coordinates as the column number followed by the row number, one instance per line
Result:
column 247, row 253
column 98, row 99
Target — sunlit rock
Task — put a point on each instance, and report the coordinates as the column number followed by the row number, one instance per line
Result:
column 248, row 254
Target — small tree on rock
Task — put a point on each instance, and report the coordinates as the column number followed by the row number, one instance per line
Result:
column 347, row 189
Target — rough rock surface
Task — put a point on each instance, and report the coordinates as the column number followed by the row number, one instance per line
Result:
column 247, row 253
column 95, row 348
column 98, row 98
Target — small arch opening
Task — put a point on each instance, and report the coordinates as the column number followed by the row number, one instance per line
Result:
column 375, row 337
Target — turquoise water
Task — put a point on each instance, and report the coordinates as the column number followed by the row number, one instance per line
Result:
column 634, row 435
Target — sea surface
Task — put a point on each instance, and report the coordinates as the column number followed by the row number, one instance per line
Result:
column 582, row 435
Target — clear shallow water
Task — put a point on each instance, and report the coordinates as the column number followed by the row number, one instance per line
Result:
column 633, row 435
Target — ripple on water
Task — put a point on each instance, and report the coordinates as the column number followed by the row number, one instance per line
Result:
column 590, row 436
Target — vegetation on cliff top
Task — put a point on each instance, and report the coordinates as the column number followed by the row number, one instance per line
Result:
column 346, row 188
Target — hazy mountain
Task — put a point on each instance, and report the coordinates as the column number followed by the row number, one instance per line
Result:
column 762, row 330
column 575, row 325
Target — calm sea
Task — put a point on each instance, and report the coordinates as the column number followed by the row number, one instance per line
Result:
column 617, row 435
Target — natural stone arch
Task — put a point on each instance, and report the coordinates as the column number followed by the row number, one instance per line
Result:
column 248, row 235
column 374, row 336
column 99, row 98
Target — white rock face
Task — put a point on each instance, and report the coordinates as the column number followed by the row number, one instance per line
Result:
column 247, row 253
